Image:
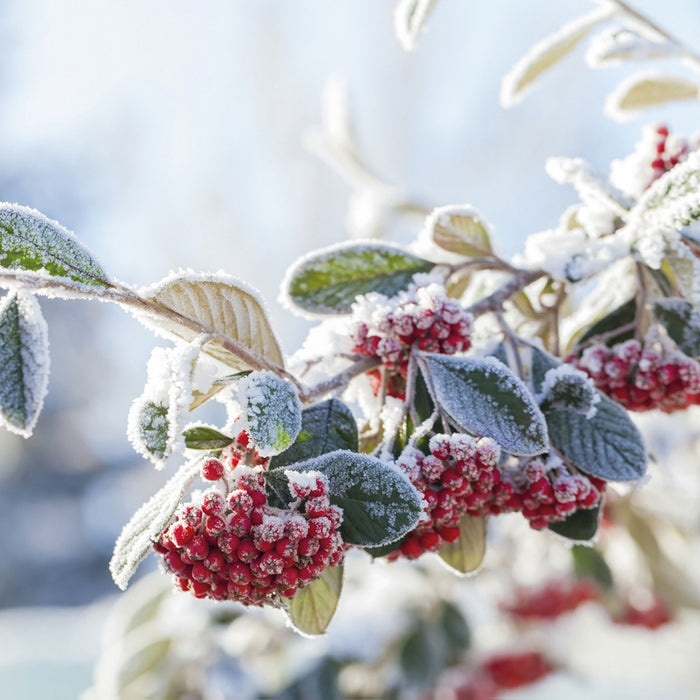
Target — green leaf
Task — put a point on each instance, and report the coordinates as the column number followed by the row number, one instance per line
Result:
column 273, row 411
column 621, row 316
column 325, row 427
column 580, row 526
column 24, row 362
column 466, row 553
column 202, row 437
column 30, row 241
column 590, row 563
column 682, row 322
column 379, row 503
column 147, row 523
column 459, row 229
column 455, row 627
column 483, row 397
column 328, row 281
column 312, row 608
column 607, row 445
column 422, row 656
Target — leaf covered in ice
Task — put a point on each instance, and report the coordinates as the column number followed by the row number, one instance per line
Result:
column 682, row 322
column 483, row 397
column 219, row 302
column 565, row 387
column 648, row 89
column 459, row 229
column 547, row 53
column 272, row 410
column 327, row 281
column 379, row 503
column 24, row 362
column 312, row 608
column 466, row 553
column 147, row 523
column 31, row 241
column 607, row 445
column 409, row 20
column 325, row 427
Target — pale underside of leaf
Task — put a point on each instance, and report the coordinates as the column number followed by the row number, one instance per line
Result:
column 147, row 523
column 465, row 555
column 644, row 90
column 313, row 607
column 460, row 230
column 547, row 53
column 223, row 305
column 409, row 20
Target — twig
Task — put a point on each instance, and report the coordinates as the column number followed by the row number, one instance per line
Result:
column 339, row 380
column 494, row 302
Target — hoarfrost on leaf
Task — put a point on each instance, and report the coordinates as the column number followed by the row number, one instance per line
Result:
column 409, row 20
column 483, row 397
column 613, row 46
column 457, row 229
column 682, row 322
column 31, row 241
column 566, row 387
column 148, row 523
column 24, row 362
column 272, row 411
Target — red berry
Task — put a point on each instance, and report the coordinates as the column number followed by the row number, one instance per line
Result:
column 212, row 470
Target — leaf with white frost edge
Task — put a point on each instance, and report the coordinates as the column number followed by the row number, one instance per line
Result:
column 33, row 242
column 547, row 53
column 328, row 280
column 458, row 229
column 220, row 302
column 147, row 523
column 483, row 397
column 682, row 323
column 312, row 608
column 409, row 20
column 379, row 503
column 647, row 89
column 24, row 362
column 466, row 553
column 614, row 46
column 272, row 411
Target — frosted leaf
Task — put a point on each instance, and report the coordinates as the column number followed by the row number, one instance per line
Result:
column 465, row 555
column 204, row 437
column 607, row 445
column 325, row 427
column 31, row 241
column 328, row 280
column 547, row 53
column 458, row 229
column 409, row 20
column 483, row 397
column 379, row 503
column 312, row 608
column 683, row 269
column 612, row 46
column 272, row 411
column 24, row 362
column 647, row 89
column 156, row 418
column 682, row 322
column 147, row 523
column 220, row 302
column 668, row 205
column 566, row 387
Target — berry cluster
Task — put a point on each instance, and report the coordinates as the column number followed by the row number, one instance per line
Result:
column 461, row 476
column 669, row 151
column 229, row 544
column 550, row 601
column 642, row 379
column 422, row 317
column 458, row 476
column 652, row 617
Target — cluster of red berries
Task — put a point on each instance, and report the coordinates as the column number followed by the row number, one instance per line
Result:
column 461, row 477
column 642, row 379
column 424, row 318
column 551, row 600
column 652, row 617
column 669, row 152
column 229, row 544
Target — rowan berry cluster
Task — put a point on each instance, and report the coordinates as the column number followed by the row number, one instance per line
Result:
column 461, row 477
column 228, row 543
column 652, row 617
column 642, row 379
column 422, row 317
column 551, row 600
column 670, row 150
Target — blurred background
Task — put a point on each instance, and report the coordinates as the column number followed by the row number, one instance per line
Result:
column 169, row 135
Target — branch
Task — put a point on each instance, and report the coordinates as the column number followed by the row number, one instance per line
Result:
column 494, row 302
column 339, row 380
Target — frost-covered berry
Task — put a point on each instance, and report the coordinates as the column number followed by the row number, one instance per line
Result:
column 212, row 470
column 240, row 548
